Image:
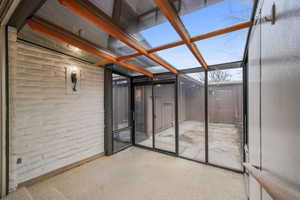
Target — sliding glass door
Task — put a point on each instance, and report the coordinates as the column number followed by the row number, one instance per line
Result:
column 164, row 117
column 191, row 115
column 143, row 117
column 207, row 124
column 225, row 118
column 154, row 116
column 121, row 104
column 215, row 96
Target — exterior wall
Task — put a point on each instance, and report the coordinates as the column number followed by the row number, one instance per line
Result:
column 48, row 128
column 193, row 109
column 225, row 103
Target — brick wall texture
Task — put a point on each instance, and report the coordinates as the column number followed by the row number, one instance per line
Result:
column 48, row 128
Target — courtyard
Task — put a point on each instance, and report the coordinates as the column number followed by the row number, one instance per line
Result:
column 224, row 142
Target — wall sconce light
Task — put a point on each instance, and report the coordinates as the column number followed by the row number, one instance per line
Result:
column 72, row 80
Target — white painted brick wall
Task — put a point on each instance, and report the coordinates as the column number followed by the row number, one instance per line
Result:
column 48, row 128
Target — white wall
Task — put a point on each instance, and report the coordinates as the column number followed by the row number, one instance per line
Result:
column 48, row 128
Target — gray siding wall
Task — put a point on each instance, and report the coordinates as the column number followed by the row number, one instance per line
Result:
column 48, row 128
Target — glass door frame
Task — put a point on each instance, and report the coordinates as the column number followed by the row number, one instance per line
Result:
column 176, row 82
column 130, row 121
column 152, row 84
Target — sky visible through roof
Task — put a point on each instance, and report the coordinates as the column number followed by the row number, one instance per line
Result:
column 216, row 50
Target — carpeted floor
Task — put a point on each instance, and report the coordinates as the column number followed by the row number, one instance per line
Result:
column 137, row 174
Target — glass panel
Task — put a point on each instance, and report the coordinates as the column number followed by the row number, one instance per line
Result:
column 143, row 61
column 191, row 100
column 154, row 38
column 106, row 6
column 194, row 14
column 164, row 117
column 72, row 22
column 121, row 139
column 180, row 57
column 123, row 70
column 143, row 116
column 120, row 102
column 145, row 22
column 119, row 48
column 26, row 33
column 225, row 111
column 224, row 48
column 221, row 14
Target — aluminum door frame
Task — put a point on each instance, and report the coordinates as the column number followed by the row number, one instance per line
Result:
column 152, row 84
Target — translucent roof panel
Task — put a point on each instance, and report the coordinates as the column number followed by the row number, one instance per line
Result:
column 119, row 47
column 160, row 34
column 144, row 21
column 28, row 34
column 146, row 63
column 72, row 22
column 214, row 14
column 124, row 70
column 224, row 48
column 180, row 57
column 105, row 6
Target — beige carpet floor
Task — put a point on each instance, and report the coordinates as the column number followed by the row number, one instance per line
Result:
column 137, row 174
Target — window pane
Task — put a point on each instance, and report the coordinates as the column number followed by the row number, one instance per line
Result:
column 180, row 57
column 164, row 116
column 151, row 66
column 153, row 34
column 119, row 48
column 121, row 139
column 145, row 23
column 72, row 22
column 195, row 14
column 143, row 116
column 191, row 115
column 224, row 48
column 120, row 102
column 225, row 111
column 221, row 13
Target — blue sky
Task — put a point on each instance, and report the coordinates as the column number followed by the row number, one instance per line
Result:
column 220, row 49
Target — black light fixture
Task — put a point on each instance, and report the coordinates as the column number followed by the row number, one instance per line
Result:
column 74, row 80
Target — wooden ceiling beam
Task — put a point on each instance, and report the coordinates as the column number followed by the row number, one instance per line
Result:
column 103, row 62
column 167, row 9
column 130, row 56
column 107, row 25
column 222, row 31
column 204, row 36
column 58, row 35
column 166, row 46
